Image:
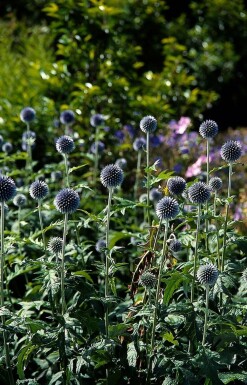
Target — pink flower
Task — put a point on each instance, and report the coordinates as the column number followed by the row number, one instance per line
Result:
column 195, row 168
column 181, row 126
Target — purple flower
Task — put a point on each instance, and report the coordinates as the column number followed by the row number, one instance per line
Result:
column 119, row 134
column 130, row 130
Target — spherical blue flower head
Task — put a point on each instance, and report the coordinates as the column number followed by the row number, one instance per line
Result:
column 207, row 274
column 155, row 195
column 67, row 201
column 215, row 183
column 100, row 245
column 199, row 192
column 97, row 120
column 67, row 117
column 100, row 145
column 148, row 280
column 19, row 200
column 121, row 162
column 148, row 124
column 27, row 115
column 55, row 245
column 208, row 129
column 111, row 176
column 167, row 208
column 65, row 144
column 7, row 147
column 139, row 144
column 7, row 188
column 231, row 151
column 38, row 190
column 175, row 246
column 176, row 185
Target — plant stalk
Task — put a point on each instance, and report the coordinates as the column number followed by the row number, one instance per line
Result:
column 66, row 170
column 63, row 264
column 29, row 151
column 206, row 220
column 206, row 316
column 41, row 224
column 196, row 252
column 226, row 218
column 148, row 179
column 107, row 263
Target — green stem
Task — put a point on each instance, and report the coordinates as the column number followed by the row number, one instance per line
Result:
column 66, row 170
column 29, row 151
column 196, row 252
column 41, row 224
column 157, row 300
column 148, row 179
column 217, row 233
column 206, row 316
column 2, row 262
column 107, row 263
column 206, row 220
column 226, row 218
column 19, row 220
column 63, row 263
column 138, row 171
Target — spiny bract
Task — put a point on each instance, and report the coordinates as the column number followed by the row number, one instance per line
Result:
column 7, row 188
column 55, row 245
column 38, row 190
column 148, row 124
column 111, row 176
column 208, row 129
column 199, row 192
column 67, row 201
column 148, row 280
column 19, row 200
column 215, row 183
column 167, row 208
column 176, row 185
column 27, row 115
column 65, row 144
column 231, row 151
column 207, row 274
column 67, row 117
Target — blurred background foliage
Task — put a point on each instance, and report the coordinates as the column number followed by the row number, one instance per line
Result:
column 123, row 58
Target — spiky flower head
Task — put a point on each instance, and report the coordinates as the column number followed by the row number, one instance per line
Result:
column 139, row 144
column 27, row 115
column 175, row 245
column 207, row 274
column 199, row 192
column 176, row 185
column 111, row 176
column 7, row 147
column 97, row 120
column 167, row 208
column 99, row 145
column 67, row 201
column 7, row 188
column 55, row 245
column 215, row 183
column 100, row 245
column 208, row 129
column 65, row 144
column 19, row 200
column 148, row 124
column 155, row 194
column 244, row 275
column 121, row 162
column 148, row 280
column 38, row 190
column 67, row 117
column 231, row 151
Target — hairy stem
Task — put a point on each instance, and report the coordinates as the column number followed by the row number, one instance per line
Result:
column 226, row 218
column 41, row 224
column 206, row 316
column 196, row 252
column 66, row 170
column 29, row 151
column 63, row 264
column 107, row 263
column 148, row 179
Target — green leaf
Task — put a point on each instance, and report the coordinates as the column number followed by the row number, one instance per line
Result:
column 229, row 377
column 23, row 357
column 172, row 284
column 132, row 355
column 170, row 338
column 77, row 168
column 83, row 274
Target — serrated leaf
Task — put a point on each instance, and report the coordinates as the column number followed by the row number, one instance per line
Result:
column 170, row 338
column 77, row 168
column 23, row 357
column 172, row 284
column 229, row 377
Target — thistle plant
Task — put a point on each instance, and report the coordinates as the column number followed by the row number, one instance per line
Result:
column 148, row 124
column 138, row 145
column 215, row 185
column 230, row 152
column 38, row 191
column 65, row 145
column 97, row 121
column 67, row 118
column 19, row 201
column 55, row 246
column 198, row 193
column 176, row 185
column 207, row 275
column 27, row 115
column 111, row 176
column 7, row 192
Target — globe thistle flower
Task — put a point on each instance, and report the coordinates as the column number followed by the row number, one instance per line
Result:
column 55, row 245
column 19, row 200
column 7, row 147
column 99, row 145
column 139, row 144
column 244, row 276
column 67, row 117
column 121, row 162
column 155, row 194
column 56, row 175
column 231, row 151
column 25, row 137
column 111, row 176
column 176, row 185
column 65, row 144
column 97, row 120
column 208, row 129
column 175, row 245
column 100, row 245
column 7, row 188
column 167, row 208
column 148, row 280
column 67, row 201
column 215, row 183
column 27, row 115
column 207, row 274
column 148, row 124
column 199, row 192
column 38, row 190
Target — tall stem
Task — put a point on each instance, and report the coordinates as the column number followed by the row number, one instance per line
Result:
column 66, row 169
column 138, row 171
column 206, row 220
column 196, row 252
column 63, row 264
column 107, row 263
column 148, row 179
column 41, row 224
column 29, row 150
column 217, row 233
column 2, row 262
column 206, row 316
column 19, row 220
column 226, row 218
column 157, row 300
